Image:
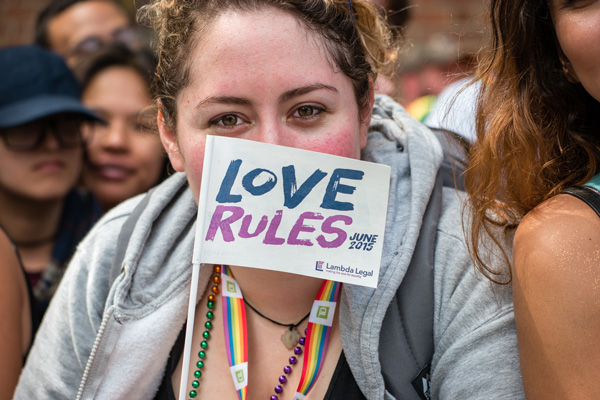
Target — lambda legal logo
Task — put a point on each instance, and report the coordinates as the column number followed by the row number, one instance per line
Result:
column 319, row 266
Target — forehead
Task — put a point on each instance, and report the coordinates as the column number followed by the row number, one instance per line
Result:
column 117, row 82
column 264, row 45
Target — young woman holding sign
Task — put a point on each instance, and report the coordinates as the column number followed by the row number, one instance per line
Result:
column 292, row 73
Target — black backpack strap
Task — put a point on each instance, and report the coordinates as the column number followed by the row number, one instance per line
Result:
column 125, row 235
column 586, row 194
column 406, row 339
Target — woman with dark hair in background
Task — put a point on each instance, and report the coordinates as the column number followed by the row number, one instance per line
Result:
column 124, row 157
column 538, row 135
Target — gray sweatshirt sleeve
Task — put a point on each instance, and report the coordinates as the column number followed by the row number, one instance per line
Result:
column 474, row 330
column 63, row 343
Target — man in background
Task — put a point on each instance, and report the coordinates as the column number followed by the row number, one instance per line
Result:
column 74, row 28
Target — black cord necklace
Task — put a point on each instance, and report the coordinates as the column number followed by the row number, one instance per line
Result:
column 291, row 336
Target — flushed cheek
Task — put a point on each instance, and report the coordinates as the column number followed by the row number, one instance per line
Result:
column 344, row 143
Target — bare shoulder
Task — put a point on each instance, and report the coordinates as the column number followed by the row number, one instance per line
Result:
column 556, row 287
column 13, row 286
column 561, row 231
column 11, row 271
column 15, row 323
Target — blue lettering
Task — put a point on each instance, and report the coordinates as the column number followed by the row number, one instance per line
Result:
column 224, row 195
column 334, row 187
column 291, row 193
column 248, row 182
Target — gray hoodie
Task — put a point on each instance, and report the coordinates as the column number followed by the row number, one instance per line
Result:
column 111, row 340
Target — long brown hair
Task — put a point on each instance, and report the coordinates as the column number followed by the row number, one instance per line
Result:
column 537, row 132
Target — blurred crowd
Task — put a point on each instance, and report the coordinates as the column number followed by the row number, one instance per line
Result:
column 78, row 137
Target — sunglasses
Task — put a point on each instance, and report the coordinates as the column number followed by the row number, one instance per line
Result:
column 67, row 131
column 129, row 37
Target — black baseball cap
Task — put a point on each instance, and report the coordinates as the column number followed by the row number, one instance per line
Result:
column 36, row 83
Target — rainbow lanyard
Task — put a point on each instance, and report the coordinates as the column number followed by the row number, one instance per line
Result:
column 236, row 335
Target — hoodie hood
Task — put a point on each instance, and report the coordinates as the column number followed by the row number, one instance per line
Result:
column 414, row 155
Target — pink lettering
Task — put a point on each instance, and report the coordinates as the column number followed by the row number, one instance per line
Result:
column 328, row 227
column 217, row 222
column 300, row 227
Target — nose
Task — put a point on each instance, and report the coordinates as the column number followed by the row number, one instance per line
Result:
column 114, row 135
column 51, row 141
column 273, row 132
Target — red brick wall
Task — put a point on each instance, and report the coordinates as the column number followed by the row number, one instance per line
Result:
column 17, row 19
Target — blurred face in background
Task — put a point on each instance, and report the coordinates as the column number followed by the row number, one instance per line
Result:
column 80, row 28
column 40, row 160
column 577, row 25
column 125, row 157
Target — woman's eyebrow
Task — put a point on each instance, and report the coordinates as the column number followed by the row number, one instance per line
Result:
column 303, row 90
column 223, row 100
column 283, row 98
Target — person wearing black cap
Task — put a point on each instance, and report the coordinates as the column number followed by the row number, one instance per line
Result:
column 41, row 147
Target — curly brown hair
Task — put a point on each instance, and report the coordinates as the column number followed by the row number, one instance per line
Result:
column 355, row 36
column 537, row 132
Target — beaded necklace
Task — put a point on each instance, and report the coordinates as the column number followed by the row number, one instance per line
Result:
column 234, row 326
column 210, row 303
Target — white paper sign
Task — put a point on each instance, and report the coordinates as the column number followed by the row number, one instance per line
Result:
column 291, row 210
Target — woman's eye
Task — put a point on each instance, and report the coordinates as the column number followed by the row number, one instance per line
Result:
column 307, row 111
column 143, row 128
column 229, row 120
column 575, row 3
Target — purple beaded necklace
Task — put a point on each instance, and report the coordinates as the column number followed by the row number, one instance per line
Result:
column 288, row 368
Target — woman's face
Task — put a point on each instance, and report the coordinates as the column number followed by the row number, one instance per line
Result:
column 577, row 24
column 125, row 157
column 262, row 76
column 45, row 173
